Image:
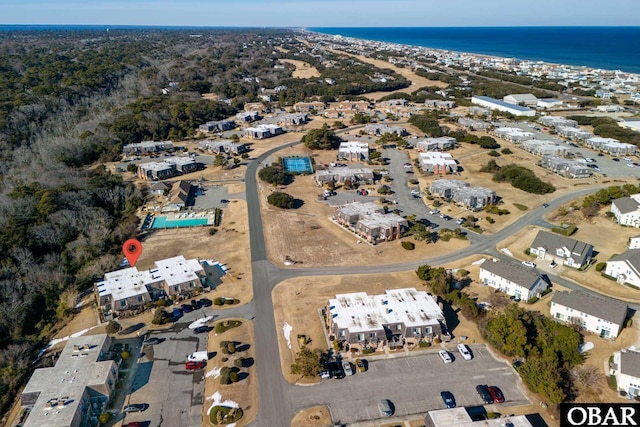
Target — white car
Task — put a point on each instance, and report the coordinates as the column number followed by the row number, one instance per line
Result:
column 445, row 356
column 434, row 211
column 528, row 264
column 464, row 351
column 346, row 367
column 626, row 159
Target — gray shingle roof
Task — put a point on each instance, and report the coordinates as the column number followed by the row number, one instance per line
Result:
column 599, row 306
column 551, row 241
column 630, row 363
column 631, row 256
column 626, row 205
column 516, row 273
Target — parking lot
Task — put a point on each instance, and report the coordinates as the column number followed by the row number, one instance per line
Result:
column 175, row 395
column 413, row 384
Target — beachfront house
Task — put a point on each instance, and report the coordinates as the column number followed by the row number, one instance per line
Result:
column 593, row 312
column 397, row 317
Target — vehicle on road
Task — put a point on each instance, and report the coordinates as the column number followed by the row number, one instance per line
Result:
column 528, row 264
column 483, row 392
column 202, row 329
column 496, row 394
column 445, row 356
column 360, row 367
column 434, row 211
column 176, row 314
column 198, row 356
column 460, row 221
column 186, row 308
column 615, row 159
column 325, row 374
column 195, row 304
column 448, row 399
column 206, row 302
column 545, row 205
column 464, row 351
column 386, row 408
column 152, row 341
column 136, row 407
column 346, row 367
column 415, row 192
column 626, row 159
column 193, row 365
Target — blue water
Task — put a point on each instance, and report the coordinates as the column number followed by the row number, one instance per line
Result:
column 610, row 48
column 297, row 164
column 163, row 222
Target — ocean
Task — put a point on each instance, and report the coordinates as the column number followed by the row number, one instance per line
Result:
column 609, row 48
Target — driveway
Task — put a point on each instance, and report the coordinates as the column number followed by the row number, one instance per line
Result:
column 413, row 384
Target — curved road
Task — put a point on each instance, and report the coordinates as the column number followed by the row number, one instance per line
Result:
column 275, row 402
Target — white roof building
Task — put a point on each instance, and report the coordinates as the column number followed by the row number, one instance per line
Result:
column 353, row 150
column 521, row 99
column 496, row 104
column 437, row 163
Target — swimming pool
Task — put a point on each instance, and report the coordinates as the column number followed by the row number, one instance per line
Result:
column 164, row 222
column 297, row 164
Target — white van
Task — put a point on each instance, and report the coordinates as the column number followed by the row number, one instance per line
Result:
column 198, row 356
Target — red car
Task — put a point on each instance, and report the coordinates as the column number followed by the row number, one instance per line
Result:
column 496, row 394
column 193, row 365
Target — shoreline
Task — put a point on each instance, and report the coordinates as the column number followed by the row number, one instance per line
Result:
column 443, row 52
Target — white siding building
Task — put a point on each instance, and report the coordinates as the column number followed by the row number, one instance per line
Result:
column 626, row 210
column 596, row 313
column 626, row 368
column 625, row 268
column 517, row 280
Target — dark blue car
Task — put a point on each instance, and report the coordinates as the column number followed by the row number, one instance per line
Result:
column 448, row 399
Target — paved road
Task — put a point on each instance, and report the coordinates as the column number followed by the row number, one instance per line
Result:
column 279, row 400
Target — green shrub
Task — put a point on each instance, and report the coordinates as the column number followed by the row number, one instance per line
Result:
column 104, row 417
column 218, row 301
column 408, row 245
column 424, row 344
column 223, row 415
column 281, row 200
column 239, row 362
column 506, row 151
column 565, row 231
column 521, row 207
column 225, row 325
column 161, row 303
column 160, row 317
column 212, row 231
column 600, row 266
column 490, row 220
column 493, row 153
column 532, row 300
column 368, row 350
column 113, row 327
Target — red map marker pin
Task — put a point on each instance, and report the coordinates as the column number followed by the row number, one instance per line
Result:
column 132, row 250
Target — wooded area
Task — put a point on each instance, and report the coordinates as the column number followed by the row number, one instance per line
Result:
column 69, row 101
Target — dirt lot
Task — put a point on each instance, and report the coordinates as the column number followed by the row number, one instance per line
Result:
column 320, row 242
column 318, row 416
column 244, row 392
column 303, row 69
column 416, row 80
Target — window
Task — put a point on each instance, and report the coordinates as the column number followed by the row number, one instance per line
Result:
column 417, row 331
column 360, row 337
column 428, row 330
column 343, row 333
column 398, row 327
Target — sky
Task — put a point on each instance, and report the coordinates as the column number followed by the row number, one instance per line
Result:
column 323, row 13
